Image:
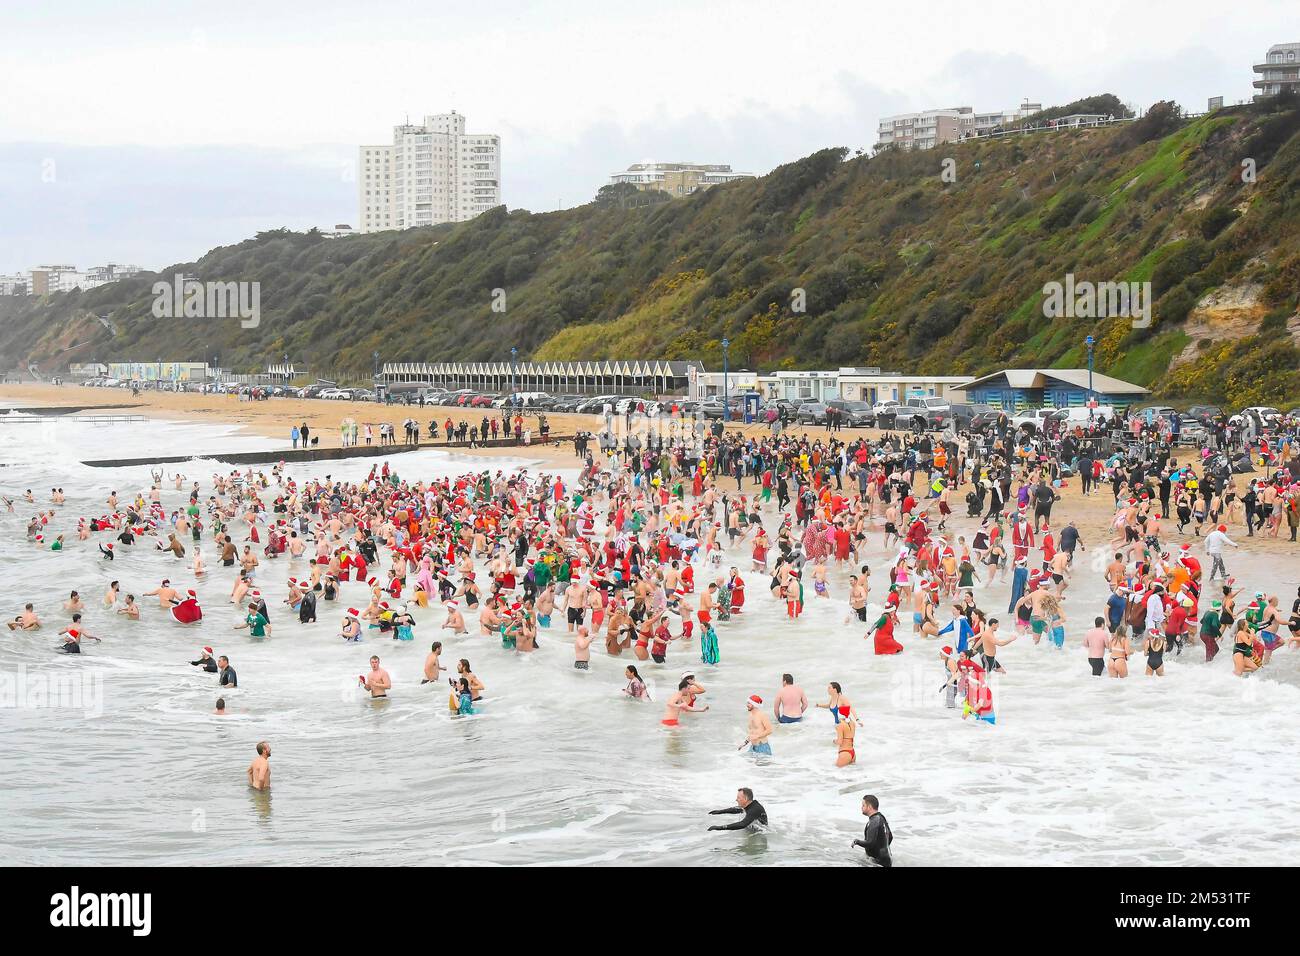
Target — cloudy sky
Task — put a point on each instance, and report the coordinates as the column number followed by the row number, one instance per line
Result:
column 146, row 133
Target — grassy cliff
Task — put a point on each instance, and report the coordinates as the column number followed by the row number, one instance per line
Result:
column 898, row 268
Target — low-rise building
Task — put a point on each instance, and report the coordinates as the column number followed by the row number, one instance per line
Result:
column 873, row 385
column 734, row 382
column 1018, row 388
column 158, row 371
column 677, row 179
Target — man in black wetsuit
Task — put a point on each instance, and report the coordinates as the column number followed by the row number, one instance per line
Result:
column 745, row 803
column 877, row 836
column 206, row 661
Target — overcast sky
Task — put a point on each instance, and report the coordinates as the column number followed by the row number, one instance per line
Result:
column 149, row 133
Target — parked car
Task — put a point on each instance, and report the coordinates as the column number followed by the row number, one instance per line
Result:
column 710, row 408
column 922, row 413
column 855, row 414
column 1167, row 412
column 960, row 415
column 1267, row 413
column 1033, row 418
column 1205, row 413
column 1192, row 431
column 811, row 413
column 362, row 395
column 1082, row 414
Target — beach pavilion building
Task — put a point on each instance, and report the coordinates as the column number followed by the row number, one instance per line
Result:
column 1014, row 389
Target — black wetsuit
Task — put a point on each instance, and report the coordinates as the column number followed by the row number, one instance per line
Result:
column 754, row 813
column 207, row 663
column 876, row 838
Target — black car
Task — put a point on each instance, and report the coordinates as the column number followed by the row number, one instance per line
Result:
column 1205, row 414
column 983, row 420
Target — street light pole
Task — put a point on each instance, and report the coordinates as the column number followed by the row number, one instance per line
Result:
column 1089, row 341
column 726, row 390
column 514, row 385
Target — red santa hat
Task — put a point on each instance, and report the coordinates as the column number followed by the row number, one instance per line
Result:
column 754, row 700
column 191, row 594
column 207, row 650
column 352, row 612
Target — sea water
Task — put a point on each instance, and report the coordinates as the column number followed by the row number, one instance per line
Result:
column 115, row 756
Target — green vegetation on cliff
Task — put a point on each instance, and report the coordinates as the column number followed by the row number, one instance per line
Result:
column 898, row 268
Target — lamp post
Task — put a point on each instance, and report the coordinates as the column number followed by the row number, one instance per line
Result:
column 514, row 386
column 726, row 391
column 1089, row 341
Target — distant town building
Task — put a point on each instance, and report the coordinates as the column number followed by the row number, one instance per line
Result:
column 44, row 280
column 929, row 128
column 432, row 173
column 676, row 179
column 337, row 231
column 1279, row 71
column 926, row 129
column 55, row 278
column 15, row 285
column 101, row 275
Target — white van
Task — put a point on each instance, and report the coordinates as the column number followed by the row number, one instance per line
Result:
column 1079, row 414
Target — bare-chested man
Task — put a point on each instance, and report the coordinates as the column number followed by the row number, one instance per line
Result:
column 760, row 728
column 455, row 620
column 575, row 604
column 680, row 702
column 582, row 649
column 166, row 594
column 377, row 681
column 259, row 771
column 432, row 668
